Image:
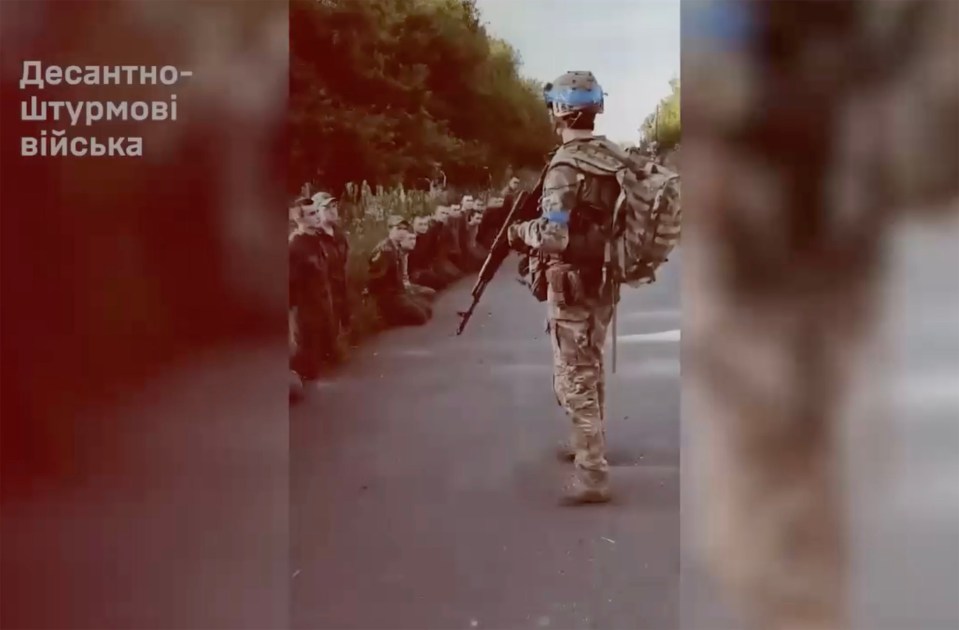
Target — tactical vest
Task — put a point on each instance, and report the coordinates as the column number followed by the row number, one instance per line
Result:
column 590, row 220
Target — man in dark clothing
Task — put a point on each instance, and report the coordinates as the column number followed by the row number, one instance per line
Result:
column 473, row 222
column 397, row 305
column 421, row 260
column 453, row 237
column 312, row 318
column 338, row 250
column 446, row 251
column 466, row 257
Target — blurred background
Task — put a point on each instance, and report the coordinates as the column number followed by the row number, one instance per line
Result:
column 820, row 339
column 144, row 330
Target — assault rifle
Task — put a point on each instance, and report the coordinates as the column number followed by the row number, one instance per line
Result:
column 525, row 208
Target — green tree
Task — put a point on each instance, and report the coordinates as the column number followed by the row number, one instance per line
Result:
column 382, row 89
column 663, row 125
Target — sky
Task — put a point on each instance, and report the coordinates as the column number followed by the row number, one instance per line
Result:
column 632, row 46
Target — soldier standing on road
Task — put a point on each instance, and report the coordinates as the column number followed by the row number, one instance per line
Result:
column 312, row 319
column 338, row 251
column 569, row 239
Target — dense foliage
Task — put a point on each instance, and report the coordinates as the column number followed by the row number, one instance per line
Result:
column 382, row 90
column 663, row 125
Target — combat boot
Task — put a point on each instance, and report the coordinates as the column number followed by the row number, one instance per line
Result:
column 586, row 487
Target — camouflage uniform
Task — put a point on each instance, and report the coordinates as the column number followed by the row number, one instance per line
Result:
column 396, row 305
column 578, row 312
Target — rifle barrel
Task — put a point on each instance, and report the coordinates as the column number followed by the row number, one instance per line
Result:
column 500, row 248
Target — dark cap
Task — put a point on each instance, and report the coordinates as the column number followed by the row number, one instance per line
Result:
column 396, row 221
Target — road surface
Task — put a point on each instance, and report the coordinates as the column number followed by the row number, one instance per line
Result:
column 424, row 486
column 422, row 481
column 902, row 455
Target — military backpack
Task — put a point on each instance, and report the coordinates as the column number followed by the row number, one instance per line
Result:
column 647, row 214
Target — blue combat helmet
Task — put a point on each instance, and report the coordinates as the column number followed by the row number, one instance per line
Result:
column 575, row 92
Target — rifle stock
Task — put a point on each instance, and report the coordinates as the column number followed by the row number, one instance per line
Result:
column 525, row 208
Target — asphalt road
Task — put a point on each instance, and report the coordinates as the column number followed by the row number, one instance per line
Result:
column 424, row 486
column 904, row 507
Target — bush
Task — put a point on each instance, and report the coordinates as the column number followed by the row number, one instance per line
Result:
column 384, row 90
column 663, row 125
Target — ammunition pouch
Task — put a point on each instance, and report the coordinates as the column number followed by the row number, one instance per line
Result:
column 537, row 278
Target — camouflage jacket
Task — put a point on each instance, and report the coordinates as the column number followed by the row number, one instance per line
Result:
column 574, row 213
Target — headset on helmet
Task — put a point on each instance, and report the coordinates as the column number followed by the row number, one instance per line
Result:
column 575, row 92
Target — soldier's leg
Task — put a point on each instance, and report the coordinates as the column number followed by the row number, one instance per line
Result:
column 427, row 278
column 403, row 311
column 423, row 305
column 422, row 293
column 461, row 263
column 601, row 318
column 416, row 310
column 577, row 372
column 477, row 258
column 448, row 270
column 433, row 280
column 598, row 328
column 310, row 343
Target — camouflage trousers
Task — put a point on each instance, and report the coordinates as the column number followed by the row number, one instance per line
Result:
column 578, row 335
